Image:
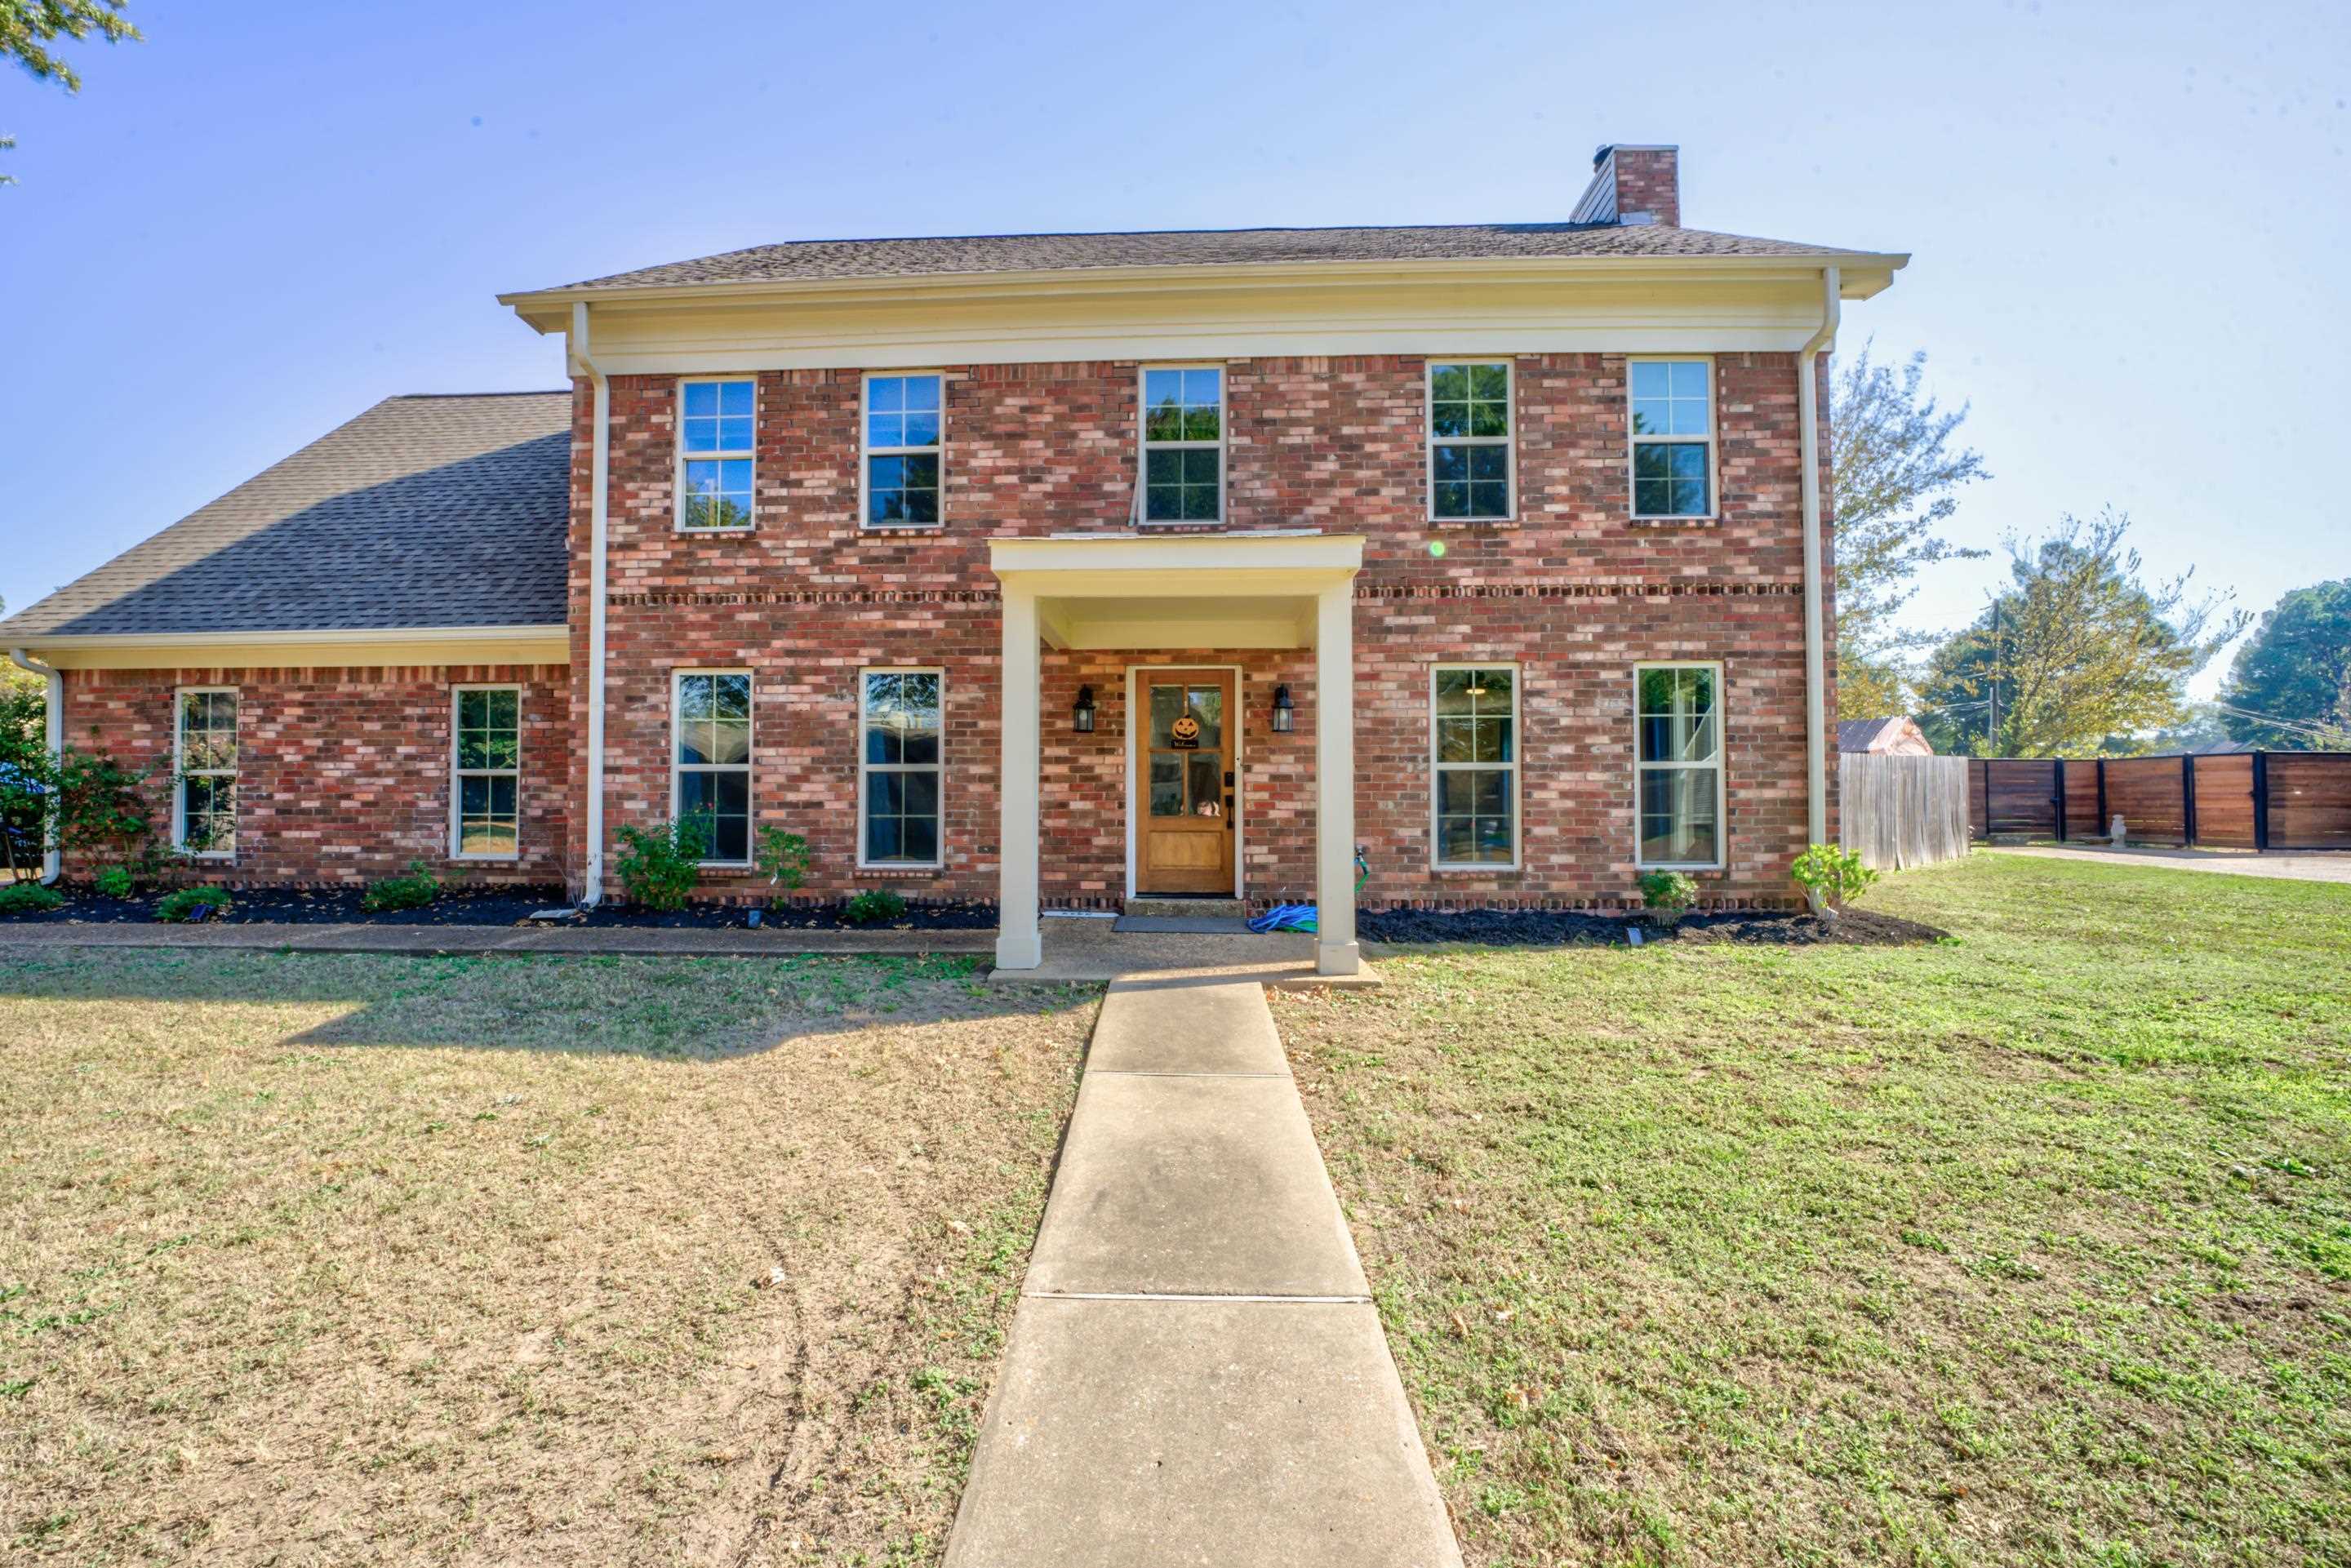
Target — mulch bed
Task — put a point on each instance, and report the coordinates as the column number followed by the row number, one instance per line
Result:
column 498, row 906
column 1567, row 927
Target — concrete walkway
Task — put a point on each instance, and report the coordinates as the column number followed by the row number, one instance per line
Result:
column 1195, row 1374
column 2317, row 865
column 1088, row 949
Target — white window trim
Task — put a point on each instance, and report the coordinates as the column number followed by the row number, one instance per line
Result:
column 1722, row 766
column 1713, row 446
column 1144, row 446
column 180, row 773
column 459, row 774
column 1509, row 439
column 677, row 474
column 1516, row 765
column 864, row 452
column 677, row 770
column 864, row 768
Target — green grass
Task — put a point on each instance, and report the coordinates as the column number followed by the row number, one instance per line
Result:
column 2033, row 1246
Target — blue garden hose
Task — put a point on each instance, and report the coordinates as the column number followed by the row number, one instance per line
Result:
column 1303, row 917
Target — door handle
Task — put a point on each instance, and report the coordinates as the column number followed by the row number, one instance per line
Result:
column 1228, row 813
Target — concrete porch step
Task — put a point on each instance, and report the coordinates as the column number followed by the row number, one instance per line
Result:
column 1187, row 908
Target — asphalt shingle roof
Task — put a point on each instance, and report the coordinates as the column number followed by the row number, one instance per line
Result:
column 828, row 259
column 424, row 511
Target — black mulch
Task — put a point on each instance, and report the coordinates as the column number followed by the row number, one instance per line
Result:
column 498, row 906
column 1554, row 927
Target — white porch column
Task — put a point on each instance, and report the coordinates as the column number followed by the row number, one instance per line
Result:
column 1018, row 943
column 1335, row 951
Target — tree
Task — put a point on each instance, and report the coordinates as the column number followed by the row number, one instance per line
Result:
column 2075, row 650
column 27, row 28
column 2291, row 683
column 1895, row 478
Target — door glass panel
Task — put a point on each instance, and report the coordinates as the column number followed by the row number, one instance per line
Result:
column 1208, row 706
column 1166, row 707
column 1167, row 784
column 1206, row 783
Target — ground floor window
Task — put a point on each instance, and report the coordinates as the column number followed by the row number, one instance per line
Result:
column 899, row 765
column 204, row 795
column 1679, row 765
column 711, row 777
column 485, row 763
column 1474, row 754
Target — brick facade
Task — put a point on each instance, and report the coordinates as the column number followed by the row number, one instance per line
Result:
column 346, row 774
column 342, row 774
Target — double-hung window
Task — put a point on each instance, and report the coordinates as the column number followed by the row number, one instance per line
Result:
column 1673, row 438
column 710, row 781
column 1182, row 444
column 203, row 798
column 1474, row 754
column 1468, row 440
column 1679, row 765
column 898, row 766
column 486, row 762
column 713, row 453
column 904, row 431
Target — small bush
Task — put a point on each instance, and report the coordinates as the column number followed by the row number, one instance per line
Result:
column 29, row 898
column 783, row 858
column 663, row 862
column 115, row 882
column 414, row 890
column 874, row 906
column 1669, row 893
column 193, row 903
column 1831, row 872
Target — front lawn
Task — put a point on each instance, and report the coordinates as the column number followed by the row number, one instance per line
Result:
column 313, row 1258
column 2029, row 1247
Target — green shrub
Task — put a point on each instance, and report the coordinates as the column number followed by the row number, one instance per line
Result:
column 28, row 898
column 783, row 858
column 414, row 890
column 873, row 907
column 1669, row 893
column 193, row 903
column 661, row 863
column 115, row 882
column 1832, row 873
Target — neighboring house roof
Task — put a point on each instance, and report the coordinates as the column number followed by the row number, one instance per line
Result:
column 1898, row 734
column 427, row 511
column 810, row 261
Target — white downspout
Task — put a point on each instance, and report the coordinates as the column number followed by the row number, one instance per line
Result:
column 53, row 857
column 599, row 476
column 1808, row 419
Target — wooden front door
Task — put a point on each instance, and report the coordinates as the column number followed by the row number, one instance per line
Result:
column 1187, row 781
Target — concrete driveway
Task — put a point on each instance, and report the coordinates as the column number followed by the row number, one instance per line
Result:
column 2319, row 865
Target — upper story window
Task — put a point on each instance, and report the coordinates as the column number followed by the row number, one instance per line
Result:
column 710, row 781
column 1469, row 440
column 904, row 431
column 713, row 453
column 203, row 805
column 1182, row 444
column 1673, row 438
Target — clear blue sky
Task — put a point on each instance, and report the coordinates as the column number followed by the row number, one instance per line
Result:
column 2131, row 223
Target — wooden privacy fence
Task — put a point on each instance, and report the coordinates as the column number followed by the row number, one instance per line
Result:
column 1900, row 811
column 2244, row 800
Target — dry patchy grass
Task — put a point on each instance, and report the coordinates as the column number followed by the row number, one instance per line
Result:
column 2029, row 1247
column 309, row 1259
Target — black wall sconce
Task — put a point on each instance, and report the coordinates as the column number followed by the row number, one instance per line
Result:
column 1285, row 717
column 1082, row 717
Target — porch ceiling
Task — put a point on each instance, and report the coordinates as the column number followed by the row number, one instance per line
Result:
column 1189, row 590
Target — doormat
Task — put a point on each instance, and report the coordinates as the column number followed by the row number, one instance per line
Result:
column 1181, row 925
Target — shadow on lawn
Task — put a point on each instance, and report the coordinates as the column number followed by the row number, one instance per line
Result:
column 680, row 1010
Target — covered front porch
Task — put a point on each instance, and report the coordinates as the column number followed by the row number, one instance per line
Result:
column 1146, row 594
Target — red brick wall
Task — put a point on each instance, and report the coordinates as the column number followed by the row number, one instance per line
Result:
column 1573, row 589
column 1649, row 180
column 342, row 774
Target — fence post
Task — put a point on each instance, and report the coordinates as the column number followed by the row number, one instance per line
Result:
column 2261, row 801
column 2059, row 764
column 2187, row 800
column 2103, row 819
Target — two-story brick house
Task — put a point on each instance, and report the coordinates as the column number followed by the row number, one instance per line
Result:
column 1052, row 569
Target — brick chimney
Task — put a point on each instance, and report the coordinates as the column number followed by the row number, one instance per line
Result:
column 1632, row 185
